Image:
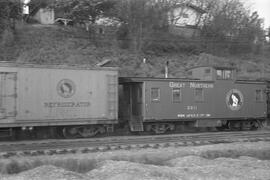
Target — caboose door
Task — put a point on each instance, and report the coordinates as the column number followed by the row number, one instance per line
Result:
column 136, row 101
column 268, row 103
column 7, row 94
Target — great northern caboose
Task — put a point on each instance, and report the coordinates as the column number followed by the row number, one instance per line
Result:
column 212, row 97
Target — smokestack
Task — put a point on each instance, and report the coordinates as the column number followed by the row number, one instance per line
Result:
column 144, row 60
column 166, row 69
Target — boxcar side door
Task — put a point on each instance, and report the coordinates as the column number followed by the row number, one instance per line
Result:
column 8, row 94
column 268, row 102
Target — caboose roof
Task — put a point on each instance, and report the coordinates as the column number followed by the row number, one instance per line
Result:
column 143, row 79
column 214, row 67
column 250, row 81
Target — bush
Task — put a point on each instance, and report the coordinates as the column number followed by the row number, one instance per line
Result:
column 7, row 38
column 31, row 20
column 172, row 45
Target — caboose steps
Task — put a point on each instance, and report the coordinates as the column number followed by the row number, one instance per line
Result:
column 136, row 124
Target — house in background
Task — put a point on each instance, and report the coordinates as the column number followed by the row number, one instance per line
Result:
column 44, row 16
column 184, row 20
column 106, row 25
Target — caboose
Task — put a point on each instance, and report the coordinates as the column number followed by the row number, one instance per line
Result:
column 212, row 97
column 72, row 101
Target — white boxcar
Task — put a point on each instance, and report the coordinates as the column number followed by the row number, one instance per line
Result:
column 39, row 95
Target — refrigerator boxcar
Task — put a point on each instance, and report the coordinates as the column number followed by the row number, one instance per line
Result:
column 212, row 97
column 79, row 101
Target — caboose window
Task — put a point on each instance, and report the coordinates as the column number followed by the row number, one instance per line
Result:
column 155, row 94
column 176, row 95
column 199, row 95
column 259, row 95
column 224, row 74
column 207, row 71
column 189, row 73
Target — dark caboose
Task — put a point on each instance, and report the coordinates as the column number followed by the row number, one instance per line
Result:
column 211, row 98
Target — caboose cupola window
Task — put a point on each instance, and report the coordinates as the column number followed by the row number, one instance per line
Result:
column 224, row 74
column 219, row 74
column 227, row 74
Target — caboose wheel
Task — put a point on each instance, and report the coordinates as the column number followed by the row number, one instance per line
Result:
column 234, row 125
column 160, row 128
column 254, row 125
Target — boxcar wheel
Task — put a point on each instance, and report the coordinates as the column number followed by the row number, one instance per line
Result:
column 221, row 128
column 70, row 132
column 87, row 131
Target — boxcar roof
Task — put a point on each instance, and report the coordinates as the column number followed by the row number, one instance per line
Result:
column 56, row 66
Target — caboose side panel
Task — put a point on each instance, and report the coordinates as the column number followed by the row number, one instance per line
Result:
column 256, row 98
column 47, row 96
column 178, row 100
column 239, row 100
column 192, row 100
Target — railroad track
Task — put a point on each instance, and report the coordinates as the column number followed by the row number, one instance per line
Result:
column 62, row 146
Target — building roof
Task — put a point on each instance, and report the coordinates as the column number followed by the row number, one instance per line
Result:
column 192, row 6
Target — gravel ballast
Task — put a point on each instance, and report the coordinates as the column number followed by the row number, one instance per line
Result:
column 244, row 160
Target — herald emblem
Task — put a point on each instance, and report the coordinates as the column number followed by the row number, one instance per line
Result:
column 234, row 99
column 66, row 88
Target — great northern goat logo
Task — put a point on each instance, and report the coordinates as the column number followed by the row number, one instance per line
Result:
column 66, row 88
column 234, row 99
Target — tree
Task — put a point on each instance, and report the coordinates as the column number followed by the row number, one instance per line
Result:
column 10, row 11
column 141, row 18
column 230, row 22
column 84, row 10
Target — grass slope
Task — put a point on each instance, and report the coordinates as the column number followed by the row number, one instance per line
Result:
column 65, row 45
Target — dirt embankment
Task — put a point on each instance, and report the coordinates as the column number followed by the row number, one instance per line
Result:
column 65, row 45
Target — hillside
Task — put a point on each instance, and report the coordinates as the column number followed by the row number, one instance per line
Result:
column 66, row 45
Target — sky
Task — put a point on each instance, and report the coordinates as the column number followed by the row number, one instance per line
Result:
column 263, row 9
